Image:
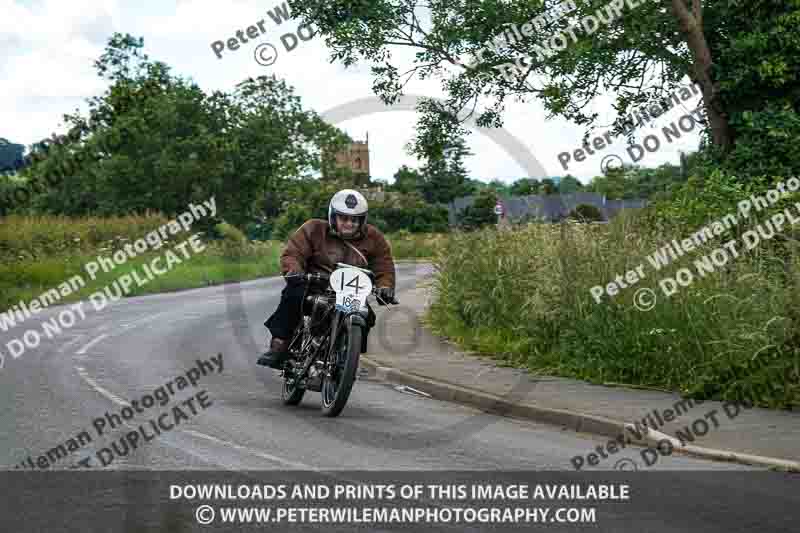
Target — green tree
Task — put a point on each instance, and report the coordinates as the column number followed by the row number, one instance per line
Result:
column 291, row 219
column 444, row 175
column 636, row 182
column 569, row 184
column 412, row 214
column 480, row 213
column 407, row 180
column 525, row 187
column 548, row 187
column 500, row 187
column 745, row 56
column 475, row 186
column 586, row 213
column 613, row 185
column 154, row 141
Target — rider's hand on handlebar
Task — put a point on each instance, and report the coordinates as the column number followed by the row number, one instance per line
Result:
column 294, row 278
column 385, row 296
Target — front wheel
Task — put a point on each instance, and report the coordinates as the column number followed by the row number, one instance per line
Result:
column 292, row 394
column 336, row 388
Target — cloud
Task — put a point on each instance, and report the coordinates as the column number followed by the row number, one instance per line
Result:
column 49, row 51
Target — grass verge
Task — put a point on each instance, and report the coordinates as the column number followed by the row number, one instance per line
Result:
column 525, row 297
column 25, row 281
column 41, row 253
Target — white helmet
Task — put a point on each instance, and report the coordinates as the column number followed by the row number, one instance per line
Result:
column 348, row 202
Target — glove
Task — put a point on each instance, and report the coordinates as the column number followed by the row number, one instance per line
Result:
column 294, row 278
column 385, row 295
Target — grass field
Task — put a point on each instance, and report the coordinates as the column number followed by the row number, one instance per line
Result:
column 524, row 297
column 38, row 254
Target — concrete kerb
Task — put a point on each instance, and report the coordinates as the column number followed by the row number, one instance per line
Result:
column 654, row 437
column 493, row 404
column 579, row 422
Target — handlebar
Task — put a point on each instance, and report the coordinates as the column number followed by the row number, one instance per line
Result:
column 307, row 277
column 319, row 276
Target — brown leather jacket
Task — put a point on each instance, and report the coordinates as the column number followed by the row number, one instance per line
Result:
column 313, row 248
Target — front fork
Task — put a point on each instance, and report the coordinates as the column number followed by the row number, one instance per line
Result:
column 343, row 320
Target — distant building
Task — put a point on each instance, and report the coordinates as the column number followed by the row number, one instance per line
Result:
column 11, row 156
column 355, row 157
column 375, row 193
column 552, row 207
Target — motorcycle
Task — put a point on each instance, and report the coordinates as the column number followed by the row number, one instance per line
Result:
column 324, row 350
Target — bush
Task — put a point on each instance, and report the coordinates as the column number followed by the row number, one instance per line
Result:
column 409, row 212
column 406, row 245
column 231, row 240
column 289, row 221
column 480, row 213
column 25, row 238
column 766, row 144
column 419, row 218
column 730, row 335
column 259, row 231
column 586, row 213
column 230, row 233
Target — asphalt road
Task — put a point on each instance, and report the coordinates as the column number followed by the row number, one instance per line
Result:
column 53, row 393
column 126, row 351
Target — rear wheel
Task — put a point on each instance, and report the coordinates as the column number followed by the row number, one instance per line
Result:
column 336, row 388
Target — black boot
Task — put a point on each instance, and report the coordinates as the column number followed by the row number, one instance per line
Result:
column 276, row 356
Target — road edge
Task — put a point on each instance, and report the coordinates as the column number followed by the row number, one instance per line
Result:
column 579, row 422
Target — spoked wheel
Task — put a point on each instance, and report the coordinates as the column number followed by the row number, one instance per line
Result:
column 336, row 388
column 291, row 394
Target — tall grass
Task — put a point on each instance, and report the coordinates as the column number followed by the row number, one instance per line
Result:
column 407, row 245
column 39, row 253
column 26, row 238
column 525, row 296
column 24, row 281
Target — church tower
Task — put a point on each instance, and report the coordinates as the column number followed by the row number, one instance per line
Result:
column 356, row 157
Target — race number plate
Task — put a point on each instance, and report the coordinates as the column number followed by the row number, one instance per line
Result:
column 352, row 288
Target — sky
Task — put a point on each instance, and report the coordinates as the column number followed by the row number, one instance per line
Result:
column 48, row 48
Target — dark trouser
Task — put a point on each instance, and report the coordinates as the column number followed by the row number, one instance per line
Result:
column 284, row 320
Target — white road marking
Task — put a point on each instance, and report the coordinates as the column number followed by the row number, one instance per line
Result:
column 96, row 386
column 125, row 327
column 69, row 343
column 145, row 319
column 251, row 451
column 410, row 390
column 116, row 399
column 92, row 343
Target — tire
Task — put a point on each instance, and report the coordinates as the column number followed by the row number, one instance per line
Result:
column 335, row 395
column 291, row 394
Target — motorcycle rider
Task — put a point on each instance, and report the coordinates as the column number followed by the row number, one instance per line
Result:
column 316, row 247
